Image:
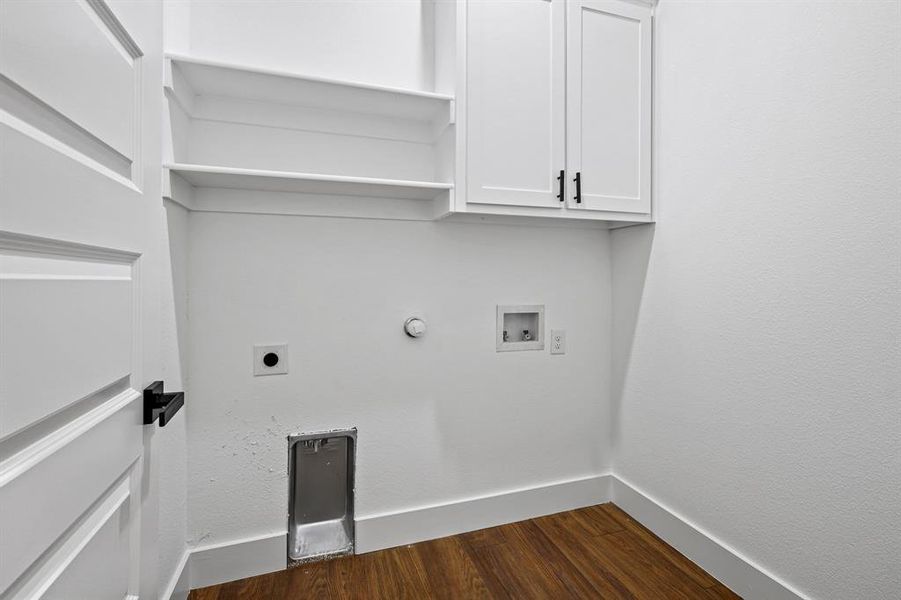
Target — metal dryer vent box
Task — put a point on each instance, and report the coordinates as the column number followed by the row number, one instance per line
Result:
column 321, row 495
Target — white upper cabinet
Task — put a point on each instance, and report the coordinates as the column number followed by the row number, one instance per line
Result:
column 609, row 106
column 515, row 102
column 551, row 86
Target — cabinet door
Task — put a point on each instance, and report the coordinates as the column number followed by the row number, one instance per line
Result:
column 609, row 105
column 516, row 89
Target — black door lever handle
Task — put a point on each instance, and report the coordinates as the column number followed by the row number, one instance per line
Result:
column 160, row 405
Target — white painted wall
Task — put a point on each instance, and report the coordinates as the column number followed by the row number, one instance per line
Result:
column 441, row 418
column 756, row 370
column 387, row 42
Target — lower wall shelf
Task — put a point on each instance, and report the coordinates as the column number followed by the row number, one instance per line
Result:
column 307, row 183
column 207, row 188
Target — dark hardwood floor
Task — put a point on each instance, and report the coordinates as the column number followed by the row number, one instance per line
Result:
column 595, row 552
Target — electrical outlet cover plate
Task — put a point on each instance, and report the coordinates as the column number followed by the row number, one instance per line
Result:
column 558, row 341
column 280, row 368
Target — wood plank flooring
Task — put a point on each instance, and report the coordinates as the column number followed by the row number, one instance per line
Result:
column 594, row 552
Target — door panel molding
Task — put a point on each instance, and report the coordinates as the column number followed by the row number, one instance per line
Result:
column 34, row 514
column 115, row 28
column 19, row 102
column 30, row 245
column 72, row 71
column 16, row 459
column 79, row 328
column 47, row 570
column 71, row 152
column 58, row 297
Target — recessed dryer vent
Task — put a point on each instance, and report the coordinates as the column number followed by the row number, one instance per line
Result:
column 321, row 495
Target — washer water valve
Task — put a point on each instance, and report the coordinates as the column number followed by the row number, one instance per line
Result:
column 414, row 327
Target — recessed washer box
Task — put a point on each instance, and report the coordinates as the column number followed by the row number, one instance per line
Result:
column 520, row 327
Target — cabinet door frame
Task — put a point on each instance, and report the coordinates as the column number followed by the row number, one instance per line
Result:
column 637, row 205
column 479, row 194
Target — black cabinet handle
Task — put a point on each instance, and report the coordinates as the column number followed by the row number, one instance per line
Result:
column 560, row 179
column 159, row 405
column 578, row 181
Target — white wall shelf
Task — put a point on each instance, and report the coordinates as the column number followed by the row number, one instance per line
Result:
column 214, row 78
column 254, row 140
column 204, row 176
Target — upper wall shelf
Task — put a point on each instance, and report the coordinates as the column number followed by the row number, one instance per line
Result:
column 214, row 78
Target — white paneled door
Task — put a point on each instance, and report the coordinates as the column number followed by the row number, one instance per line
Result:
column 515, row 102
column 608, row 118
column 80, row 224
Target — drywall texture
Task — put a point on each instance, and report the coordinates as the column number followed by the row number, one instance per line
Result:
column 756, row 368
column 441, row 418
column 377, row 41
column 171, row 440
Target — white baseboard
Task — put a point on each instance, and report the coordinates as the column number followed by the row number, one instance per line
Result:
column 180, row 584
column 219, row 563
column 725, row 564
column 376, row 532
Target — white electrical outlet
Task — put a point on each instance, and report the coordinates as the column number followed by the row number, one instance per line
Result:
column 558, row 341
column 270, row 360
